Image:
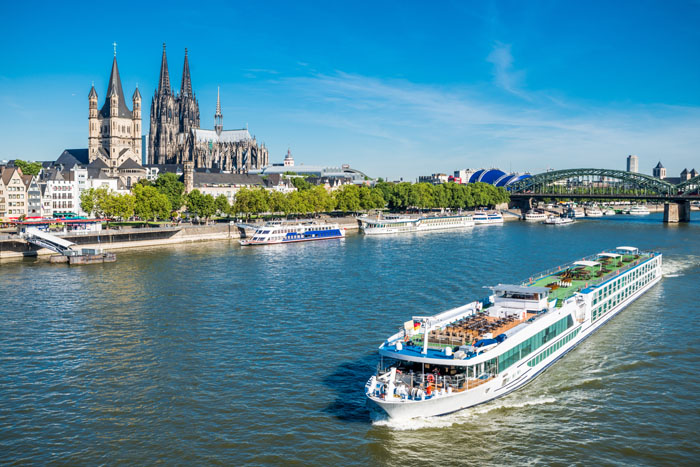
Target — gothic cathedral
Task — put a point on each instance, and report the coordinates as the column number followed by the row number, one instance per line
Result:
column 175, row 136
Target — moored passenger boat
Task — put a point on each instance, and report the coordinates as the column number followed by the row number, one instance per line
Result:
column 639, row 210
column 488, row 217
column 534, row 215
column 285, row 232
column 419, row 224
column 594, row 211
column 558, row 220
column 486, row 349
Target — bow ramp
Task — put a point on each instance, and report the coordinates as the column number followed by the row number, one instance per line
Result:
column 46, row 240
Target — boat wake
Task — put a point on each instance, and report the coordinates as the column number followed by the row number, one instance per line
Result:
column 458, row 418
column 676, row 267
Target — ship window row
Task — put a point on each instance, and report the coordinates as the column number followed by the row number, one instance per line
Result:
column 553, row 348
column 530, row 345
column 612, row 303
column 623, row 281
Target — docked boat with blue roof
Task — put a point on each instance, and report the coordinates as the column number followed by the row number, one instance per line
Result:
column 435, row 365
column 272, row 233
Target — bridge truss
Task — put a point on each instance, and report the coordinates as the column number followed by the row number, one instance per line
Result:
column 596, row 182
column 690, row 187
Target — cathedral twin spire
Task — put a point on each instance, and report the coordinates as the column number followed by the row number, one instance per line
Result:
column 172, row 115
column 164, row 81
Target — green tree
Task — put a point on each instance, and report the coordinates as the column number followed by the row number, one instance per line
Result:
column 28, row 168
column 170, row 185
column 150, row 203
column 279, row 202
column 318, row 200
column 222, row 205
column 119, row 206
column 200, row 204
column 347, row 199
column 301, row 183
column 88, row 201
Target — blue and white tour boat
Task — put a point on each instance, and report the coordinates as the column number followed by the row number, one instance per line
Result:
column 285, row 232
column 488, row 348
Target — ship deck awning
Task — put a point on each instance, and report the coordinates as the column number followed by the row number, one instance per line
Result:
column 609, row 255
column 627, row 248
column 520, row 289
column 590, row 264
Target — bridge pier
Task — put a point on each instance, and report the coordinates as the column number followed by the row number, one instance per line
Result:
column 524, row 204
column 677, row 212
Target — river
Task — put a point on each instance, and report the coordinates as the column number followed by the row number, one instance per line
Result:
column 213, row 353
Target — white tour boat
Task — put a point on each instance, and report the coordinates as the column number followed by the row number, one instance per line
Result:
column 419, row 224
column 535, row 216
column 286, row 232
column 594, row 212
column 435, row 365
column 488, row 217
column 578, row 212
column 609, row 212
column 639, row 210
column 556, row 220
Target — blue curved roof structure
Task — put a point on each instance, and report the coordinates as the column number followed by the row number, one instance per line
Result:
column 491, row 175
column 496, row 177
column 503, row 181
column 476, row 175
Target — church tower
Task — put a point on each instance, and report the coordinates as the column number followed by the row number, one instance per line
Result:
column 114, row 131
column 187, row 102
column 164, row 119
column 94, row 132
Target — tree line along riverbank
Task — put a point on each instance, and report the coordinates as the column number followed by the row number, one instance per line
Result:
column 166, row 199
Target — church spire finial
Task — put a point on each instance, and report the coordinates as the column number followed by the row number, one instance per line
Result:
column 114, row 44
column 218, row 117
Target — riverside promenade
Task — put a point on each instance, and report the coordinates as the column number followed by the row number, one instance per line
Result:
column 13, row 247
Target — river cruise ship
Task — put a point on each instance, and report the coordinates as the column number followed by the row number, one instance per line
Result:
column 420, row 224
column 488, row 348
column 285, row 232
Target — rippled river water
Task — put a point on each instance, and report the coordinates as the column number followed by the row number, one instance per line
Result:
column 212, row 353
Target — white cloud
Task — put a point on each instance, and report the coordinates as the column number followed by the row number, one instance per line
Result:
column 427, row 128
column 504, row 74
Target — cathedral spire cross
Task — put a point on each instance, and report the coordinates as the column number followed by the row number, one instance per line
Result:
column 114, row 44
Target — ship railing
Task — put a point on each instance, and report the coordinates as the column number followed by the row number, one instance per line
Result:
column 457, row 383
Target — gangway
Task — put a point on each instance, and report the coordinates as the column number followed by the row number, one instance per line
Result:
column 46, row 240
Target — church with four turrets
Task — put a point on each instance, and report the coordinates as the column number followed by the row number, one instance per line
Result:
column 114, row 138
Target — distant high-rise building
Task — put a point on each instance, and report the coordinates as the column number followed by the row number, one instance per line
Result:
column 659, row 171
column 632, row 163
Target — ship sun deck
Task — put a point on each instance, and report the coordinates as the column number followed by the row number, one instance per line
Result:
column 567, row 280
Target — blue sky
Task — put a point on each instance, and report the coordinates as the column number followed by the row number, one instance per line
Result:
column 396, row 89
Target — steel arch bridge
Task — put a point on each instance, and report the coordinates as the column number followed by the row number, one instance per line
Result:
column 689, row 187
column 597, row 182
